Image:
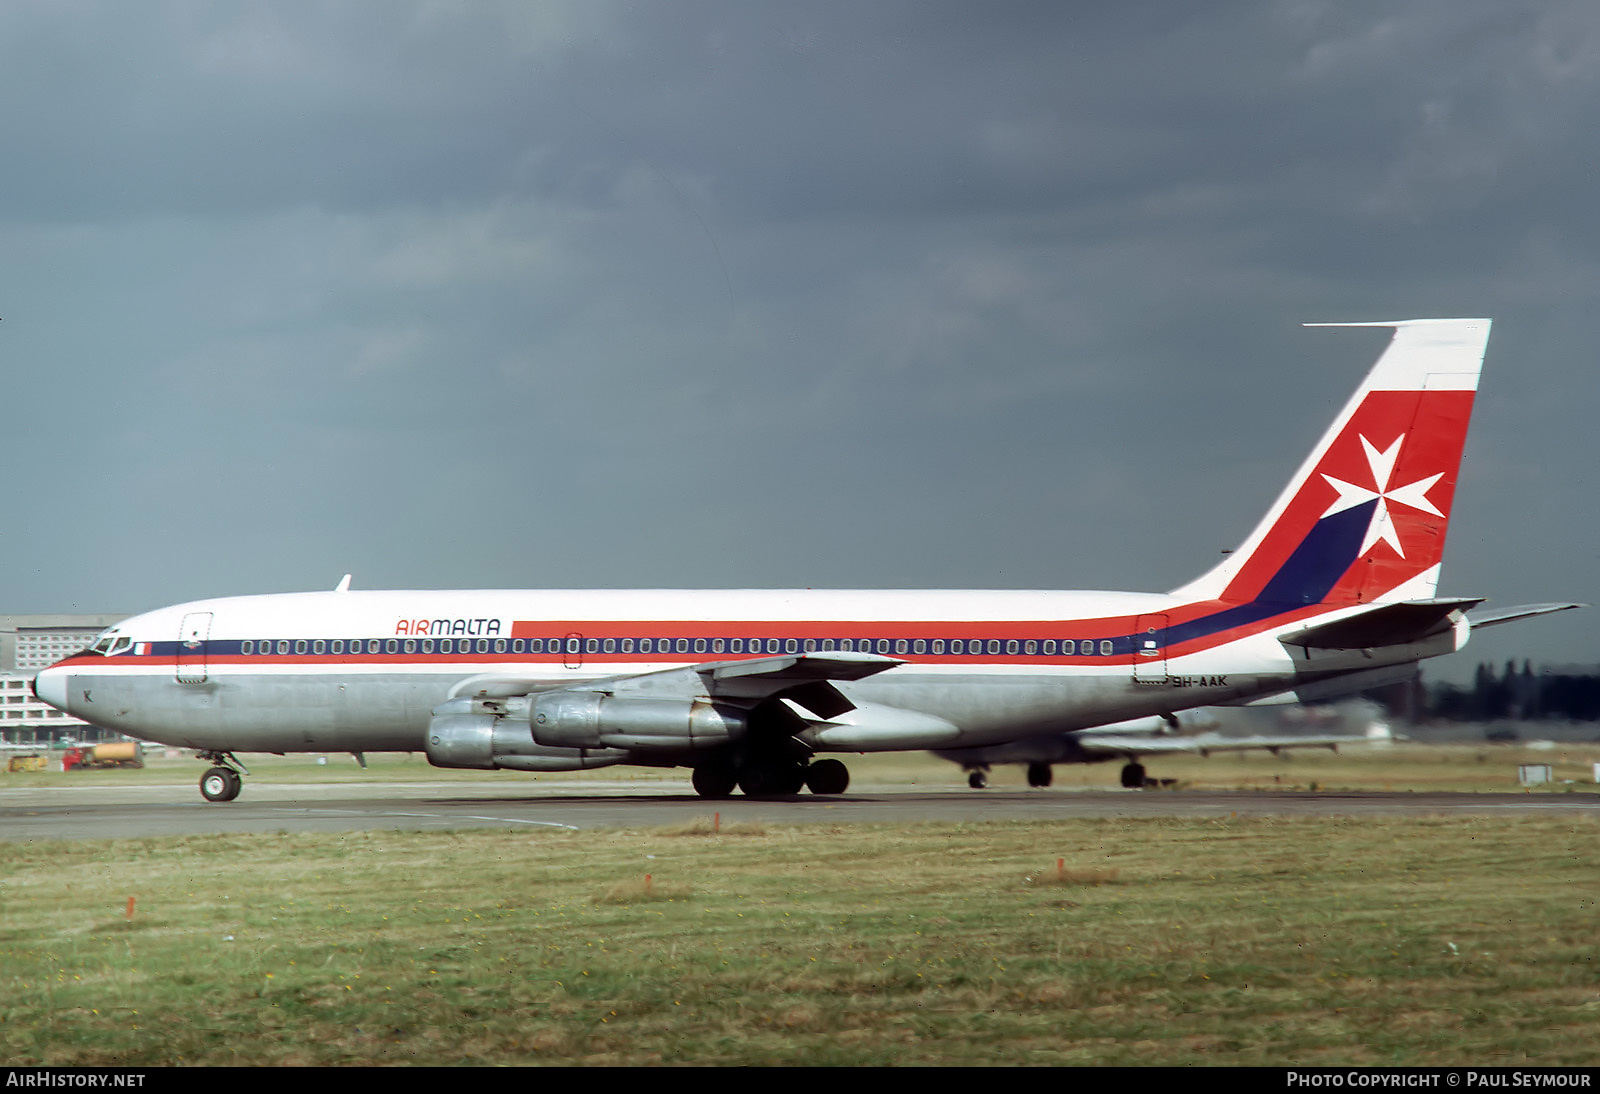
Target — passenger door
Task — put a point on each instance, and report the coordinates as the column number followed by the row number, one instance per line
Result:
column 1150, row 650
column 193, row 634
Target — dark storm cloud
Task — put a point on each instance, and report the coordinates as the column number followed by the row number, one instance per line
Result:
column 883, row 294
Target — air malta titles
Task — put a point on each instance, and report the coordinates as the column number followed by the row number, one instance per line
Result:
column 447, row 628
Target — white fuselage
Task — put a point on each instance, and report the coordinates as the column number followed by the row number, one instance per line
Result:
column 364, row 671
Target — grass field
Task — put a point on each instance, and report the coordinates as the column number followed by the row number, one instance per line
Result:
column 1232, row 941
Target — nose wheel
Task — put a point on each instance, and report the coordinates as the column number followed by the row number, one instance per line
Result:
column 223, row 782
column 220, row 784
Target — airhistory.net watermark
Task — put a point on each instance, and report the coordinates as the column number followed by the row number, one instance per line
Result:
column 23, row 1077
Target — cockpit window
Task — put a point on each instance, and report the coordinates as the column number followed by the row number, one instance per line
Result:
column 110, row 644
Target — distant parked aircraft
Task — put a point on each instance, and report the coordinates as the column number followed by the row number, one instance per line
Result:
column 1189, row 731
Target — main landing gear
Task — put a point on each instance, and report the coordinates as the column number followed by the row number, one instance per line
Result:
column 1040, row 774
column 223, row 782
column 827, row 777
column 1133, row 776
column 770, row 777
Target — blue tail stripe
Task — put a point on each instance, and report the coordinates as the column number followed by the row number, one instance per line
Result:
column 1322, row 558
column 1305, row 577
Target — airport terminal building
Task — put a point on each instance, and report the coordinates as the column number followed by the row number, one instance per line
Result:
column 29, row 643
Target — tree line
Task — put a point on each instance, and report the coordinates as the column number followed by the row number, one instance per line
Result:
column 1561, row 693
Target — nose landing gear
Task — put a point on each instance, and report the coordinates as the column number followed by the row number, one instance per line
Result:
column 222, row 782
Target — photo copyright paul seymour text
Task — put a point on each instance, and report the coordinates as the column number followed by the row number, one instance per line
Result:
column 1467, row 1079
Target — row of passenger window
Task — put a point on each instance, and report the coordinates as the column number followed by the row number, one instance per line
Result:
column 574, row 645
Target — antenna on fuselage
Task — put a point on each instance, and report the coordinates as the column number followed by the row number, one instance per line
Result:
column 344, row 584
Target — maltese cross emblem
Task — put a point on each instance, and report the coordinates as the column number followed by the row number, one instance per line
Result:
column 1414, row 495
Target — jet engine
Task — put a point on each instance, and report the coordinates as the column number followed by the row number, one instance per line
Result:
column 492, row 733
column 592, row 719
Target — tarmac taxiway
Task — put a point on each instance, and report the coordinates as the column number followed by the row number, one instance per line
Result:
column 47, row 813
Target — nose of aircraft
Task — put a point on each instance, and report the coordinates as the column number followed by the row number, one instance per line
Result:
column 51, row 686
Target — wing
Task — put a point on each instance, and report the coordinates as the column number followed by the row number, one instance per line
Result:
column 811, row 708
column 803, row 678
column 486, row 720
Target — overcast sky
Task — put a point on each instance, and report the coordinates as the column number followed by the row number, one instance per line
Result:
column 729, row 294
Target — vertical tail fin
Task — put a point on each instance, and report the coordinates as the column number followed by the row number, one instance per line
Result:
column 1364, row 518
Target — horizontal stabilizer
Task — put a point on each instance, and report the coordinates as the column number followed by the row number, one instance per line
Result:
column 1492, row 617
column 1382, row 625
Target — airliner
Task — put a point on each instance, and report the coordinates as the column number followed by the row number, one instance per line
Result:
column 1191, row 732
column 753, row 689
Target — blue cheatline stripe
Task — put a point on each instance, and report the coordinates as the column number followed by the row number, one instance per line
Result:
column 266, row 649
